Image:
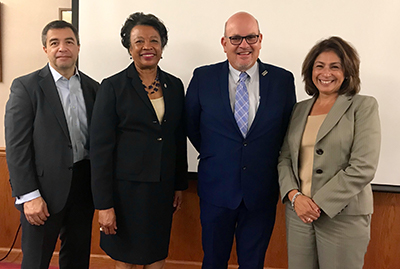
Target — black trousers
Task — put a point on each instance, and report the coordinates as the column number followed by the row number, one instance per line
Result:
column 73, row 225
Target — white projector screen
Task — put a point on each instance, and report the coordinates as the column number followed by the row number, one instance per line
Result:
column 290, row 29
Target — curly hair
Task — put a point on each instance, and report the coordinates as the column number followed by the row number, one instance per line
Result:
column 139, row 18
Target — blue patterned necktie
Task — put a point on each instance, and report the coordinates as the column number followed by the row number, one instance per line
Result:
column 242, row 104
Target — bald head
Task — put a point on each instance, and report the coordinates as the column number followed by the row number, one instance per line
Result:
column 243, row 27
column 239, row 18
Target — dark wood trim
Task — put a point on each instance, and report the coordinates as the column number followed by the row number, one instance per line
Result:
column 75, row 19
column 75, row 13
column 385, row 188
column 192, row 175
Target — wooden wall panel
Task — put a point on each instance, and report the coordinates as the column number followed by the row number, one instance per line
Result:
column 384, row 248
column 9, row 215
column 383, row 251
column 186, row 234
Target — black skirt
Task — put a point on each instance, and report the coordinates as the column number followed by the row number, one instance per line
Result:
column 144, row 216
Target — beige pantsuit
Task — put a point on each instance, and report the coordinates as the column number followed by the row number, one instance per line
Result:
column 345, row 160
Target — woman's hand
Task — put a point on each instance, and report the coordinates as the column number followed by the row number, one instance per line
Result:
column 178, row 200
column 107, row 221
column 306, row 209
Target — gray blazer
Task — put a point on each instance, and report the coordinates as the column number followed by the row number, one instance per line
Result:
column 38, row 146
column 346, row 155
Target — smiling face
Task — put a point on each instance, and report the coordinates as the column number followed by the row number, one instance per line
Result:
column 62, row 50
column 242, row 57
column 328, row 73
column 145, row 47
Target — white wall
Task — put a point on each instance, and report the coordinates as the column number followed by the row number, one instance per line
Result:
column 290, row 29
column 22, row 22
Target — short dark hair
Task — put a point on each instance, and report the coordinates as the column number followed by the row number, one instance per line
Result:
column 349, row 60
column 139, row 18
column 58, row 24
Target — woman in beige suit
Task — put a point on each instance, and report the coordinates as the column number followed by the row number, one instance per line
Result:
column 328, row 160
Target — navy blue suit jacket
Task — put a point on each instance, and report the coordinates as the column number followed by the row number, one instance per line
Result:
column 233, row 169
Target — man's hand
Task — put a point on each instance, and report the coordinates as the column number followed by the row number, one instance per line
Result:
column 107, row 221
column 36, row 211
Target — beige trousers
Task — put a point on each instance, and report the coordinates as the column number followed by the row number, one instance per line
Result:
column 337, row 243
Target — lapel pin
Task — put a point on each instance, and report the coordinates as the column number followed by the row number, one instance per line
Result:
column 264, row 73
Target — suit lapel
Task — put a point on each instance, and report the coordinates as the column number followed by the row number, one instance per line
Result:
column 341, row 105
column 297, row 124
column 166, row 93
column 224, row 90
column 137, row 85
column 50, row 91
column 264, row 82
column 88, row 97
column 299, row 119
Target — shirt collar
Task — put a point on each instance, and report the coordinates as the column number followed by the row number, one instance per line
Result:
column 250, row 72
column 58, row 76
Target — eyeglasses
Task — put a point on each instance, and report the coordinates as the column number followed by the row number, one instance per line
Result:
column 237, row 39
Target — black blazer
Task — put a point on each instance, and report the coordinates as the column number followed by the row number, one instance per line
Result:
column 38, row 146
column 127, row 140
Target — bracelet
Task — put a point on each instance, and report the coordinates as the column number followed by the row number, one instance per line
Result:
column 294, row 198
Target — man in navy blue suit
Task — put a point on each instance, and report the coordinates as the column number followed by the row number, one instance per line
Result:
column 237, row 114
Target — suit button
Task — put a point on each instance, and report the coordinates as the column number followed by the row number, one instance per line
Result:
column 70, row 146
column 164, row 120
column 244, row 167
column 245, row 144
column 320, row 151
column 319, row 171
column 70, row 168
column 159, row 139
column 154, row 121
